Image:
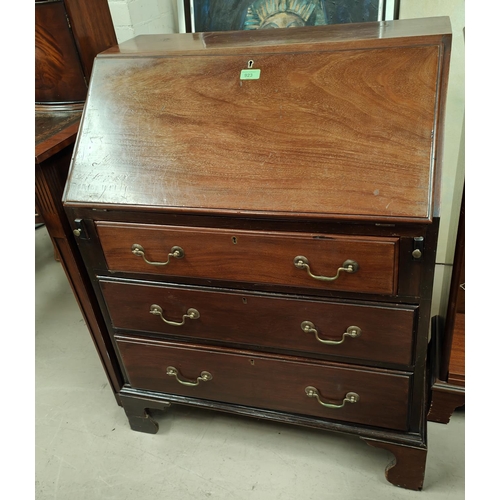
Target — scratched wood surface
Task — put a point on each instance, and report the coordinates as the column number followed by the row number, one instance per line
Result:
column 335, row 132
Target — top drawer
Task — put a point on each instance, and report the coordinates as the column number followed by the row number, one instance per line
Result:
column 331, row 262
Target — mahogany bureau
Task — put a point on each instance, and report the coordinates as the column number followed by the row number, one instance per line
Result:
column 258, row 213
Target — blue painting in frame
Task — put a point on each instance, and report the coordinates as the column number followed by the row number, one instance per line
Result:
column 224, row 15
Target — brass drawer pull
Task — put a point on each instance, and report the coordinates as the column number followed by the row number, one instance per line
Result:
column 190, row 314
column 350, row 397
column 176, row 252
column 349, row 266
column 352, row 331
column 204, row 377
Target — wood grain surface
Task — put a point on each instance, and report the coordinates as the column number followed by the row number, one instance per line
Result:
column 54, row 131
column 277, row 383
column 93, row 29
column 348, row 132
column 58, row 73
column 253, row 256
column 265, row 320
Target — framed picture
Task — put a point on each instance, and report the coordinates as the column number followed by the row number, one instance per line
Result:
column 225, row 15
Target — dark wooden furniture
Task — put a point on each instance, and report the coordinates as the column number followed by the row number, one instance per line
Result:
column 264, row 243
column 68, row 36
column 448, row 388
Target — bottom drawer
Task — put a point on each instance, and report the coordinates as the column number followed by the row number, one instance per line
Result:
column 288, row 384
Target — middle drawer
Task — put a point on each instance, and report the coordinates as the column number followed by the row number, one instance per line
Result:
column 377, row 332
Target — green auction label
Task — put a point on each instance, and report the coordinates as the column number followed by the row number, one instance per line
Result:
column 250, row 74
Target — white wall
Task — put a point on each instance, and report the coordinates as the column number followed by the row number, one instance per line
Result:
column 140, row 17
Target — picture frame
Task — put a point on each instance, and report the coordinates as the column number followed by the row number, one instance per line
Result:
column 229, row 15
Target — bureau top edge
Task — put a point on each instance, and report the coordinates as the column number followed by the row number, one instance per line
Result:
column 429, row 30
